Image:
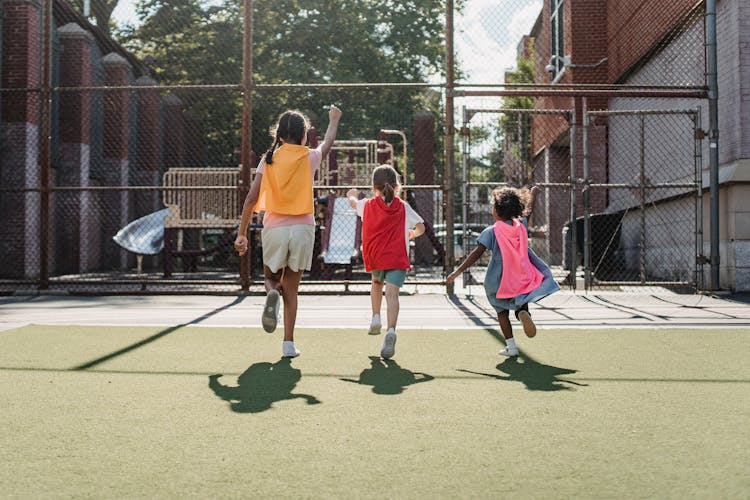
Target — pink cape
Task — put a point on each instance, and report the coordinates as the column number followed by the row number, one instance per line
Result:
column 519, row 276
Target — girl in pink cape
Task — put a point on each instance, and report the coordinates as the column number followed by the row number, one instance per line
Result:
column 515, row 275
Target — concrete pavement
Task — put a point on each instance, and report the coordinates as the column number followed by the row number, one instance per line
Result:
column 565, row 309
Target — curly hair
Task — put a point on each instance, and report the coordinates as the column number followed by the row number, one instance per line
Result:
column 509, row 202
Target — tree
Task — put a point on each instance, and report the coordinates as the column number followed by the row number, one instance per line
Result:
column 516, row 127
column 509, row 157
column 101, row 10
column 297, row 41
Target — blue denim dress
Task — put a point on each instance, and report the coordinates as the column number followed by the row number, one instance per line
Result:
column 495, row 271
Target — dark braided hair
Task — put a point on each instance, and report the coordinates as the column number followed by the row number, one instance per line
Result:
column 292, row 127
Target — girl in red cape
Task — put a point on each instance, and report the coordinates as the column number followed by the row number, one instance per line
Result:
column 387, row 226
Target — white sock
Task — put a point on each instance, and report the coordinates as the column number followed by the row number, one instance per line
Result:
column 391, row 330
column 288, row 344
column 511, row 342
column 376, row 318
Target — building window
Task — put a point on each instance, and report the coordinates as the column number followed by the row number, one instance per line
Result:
column 557, row 39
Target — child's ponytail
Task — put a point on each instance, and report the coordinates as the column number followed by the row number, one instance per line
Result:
column 388, row 192
column 385, row 180
column 269, row 153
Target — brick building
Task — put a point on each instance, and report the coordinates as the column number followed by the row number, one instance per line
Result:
column 99, row 138
column 645, row 43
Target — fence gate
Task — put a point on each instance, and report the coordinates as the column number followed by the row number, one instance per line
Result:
column 621, row 191
column 642, row 223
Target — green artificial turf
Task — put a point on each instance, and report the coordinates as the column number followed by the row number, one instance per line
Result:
column 149, row 412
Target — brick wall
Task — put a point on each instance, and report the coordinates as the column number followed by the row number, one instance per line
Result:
column 635, row 27
column 19, row 157
column 21, row 55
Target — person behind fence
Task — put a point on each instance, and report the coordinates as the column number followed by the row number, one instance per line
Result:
column 282, row 188
column 515, row 275
column 387, row 226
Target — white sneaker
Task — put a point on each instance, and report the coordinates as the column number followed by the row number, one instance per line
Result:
column 270, row 311
column 288, row 350
column 389, row 345
column 509, row 351
column 529, row 328
column 375, row 325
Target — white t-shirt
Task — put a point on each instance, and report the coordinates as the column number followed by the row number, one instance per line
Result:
column 411, row 220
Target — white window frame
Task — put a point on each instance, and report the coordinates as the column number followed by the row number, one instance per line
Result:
column 557, row 39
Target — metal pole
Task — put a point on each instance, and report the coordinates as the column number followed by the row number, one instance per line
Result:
column 586, row 200
column 642, row 239
column 713, row 136
column 45, row 153
column 573, row 184
column 465, row 189
column 698, row 159
column 449, row 165
column 247, row 119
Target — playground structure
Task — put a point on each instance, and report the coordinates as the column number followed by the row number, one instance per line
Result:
column 199, row 201
column 352, row 162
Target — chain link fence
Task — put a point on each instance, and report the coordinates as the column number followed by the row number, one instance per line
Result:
column 128, row 146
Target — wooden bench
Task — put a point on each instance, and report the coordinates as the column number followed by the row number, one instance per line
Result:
column 199, row 198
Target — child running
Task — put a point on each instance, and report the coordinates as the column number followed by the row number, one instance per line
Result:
column 515, row 275
column 387, row 226
column 282, row 187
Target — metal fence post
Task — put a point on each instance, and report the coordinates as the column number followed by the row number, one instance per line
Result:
column 247, row 120
column 45, row 154
column 713, row 136
column 465, row 188
column 449, row 166
column 573, row 183
column 642, row 238
column 699, row 258
column 586, row 199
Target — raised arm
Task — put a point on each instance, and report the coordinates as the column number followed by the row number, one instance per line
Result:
column 530, row 205
column 334, row 115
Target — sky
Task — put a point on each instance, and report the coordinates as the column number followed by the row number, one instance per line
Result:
column 488, row 33
column 486, row 42
column 487, row 30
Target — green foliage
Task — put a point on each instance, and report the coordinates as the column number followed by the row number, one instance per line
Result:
column 101, row 10
column 188, row 42
column 512, row 138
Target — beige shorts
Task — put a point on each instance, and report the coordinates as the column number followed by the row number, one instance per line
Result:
column 288, row 246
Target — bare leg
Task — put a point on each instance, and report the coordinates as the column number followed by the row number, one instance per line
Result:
column 272, row 279
column 391, row 300
column 376, row 296
column 290, row 284
column 505, row 326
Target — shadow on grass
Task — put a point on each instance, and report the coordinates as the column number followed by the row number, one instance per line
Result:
column 534, row 375
column 387, row 377
column 260, row 386
column 156, row 336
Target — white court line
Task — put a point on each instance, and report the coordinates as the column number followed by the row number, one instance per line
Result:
column 567, row 325
column 11, row 326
